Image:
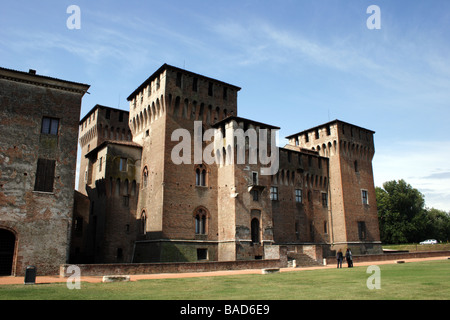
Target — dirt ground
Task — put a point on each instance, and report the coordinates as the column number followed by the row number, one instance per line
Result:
column 97, row 279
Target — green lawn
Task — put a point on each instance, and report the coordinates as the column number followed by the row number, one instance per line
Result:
column 418, row 280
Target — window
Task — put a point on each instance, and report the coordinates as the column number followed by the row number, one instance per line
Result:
column 121, row 116
column 45, row 175
column 298, row 196
column 108, row 112
column 200, row 176
column 100, row 164
column 324, row 200
column 255, row 231
column 200, row 221
column 78, row 226
column 255, row 178
column 361, row 230
column 356, row 166
column 123, row 164
column 126, row 201
column 202, row 254
column 325, row 227
column 179, row 77
column 195, row 84
column 143, row 223
column 225, row 93
column 365, row 197
column 274, row 193
column 50, row 126
column 144, row 178
column 255, row 195
column 210, row 89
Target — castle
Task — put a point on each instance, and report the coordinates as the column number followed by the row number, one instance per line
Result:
column 181, row 178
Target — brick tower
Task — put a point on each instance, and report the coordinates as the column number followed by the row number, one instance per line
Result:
column 178, row 201
column 353, row 215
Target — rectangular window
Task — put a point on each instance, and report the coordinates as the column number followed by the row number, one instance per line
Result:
column 126, row 201
column 298, row 196
column 210, row 89
column 50, row 126
column 202, row 254
column 365, row 197
column 255, row 178
column 100, row 164
column 324, row 200
column 225, row 93
column 255, row 195
column 123, row 164
column 45, row 175
column 362, row 230
column 179, row 79
column 195, row 84
column 274, row 193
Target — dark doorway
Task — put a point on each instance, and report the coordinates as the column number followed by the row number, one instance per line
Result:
column 255, row 231
column 7, row 244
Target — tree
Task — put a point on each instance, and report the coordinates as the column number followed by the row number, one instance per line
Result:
column 401, row 212
column 403, row 217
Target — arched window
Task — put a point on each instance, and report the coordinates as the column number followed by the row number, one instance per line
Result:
column 201, row 175
column 143, row 223
column 144, row 177
column 200, row 221
column 255, row 230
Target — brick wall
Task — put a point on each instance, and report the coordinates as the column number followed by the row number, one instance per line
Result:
column 174, row 267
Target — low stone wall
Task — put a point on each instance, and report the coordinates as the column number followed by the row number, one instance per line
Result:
column 394, row 256
column 174, row 267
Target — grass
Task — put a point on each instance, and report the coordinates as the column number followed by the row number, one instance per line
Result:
column 408, row 281
column 415, row 247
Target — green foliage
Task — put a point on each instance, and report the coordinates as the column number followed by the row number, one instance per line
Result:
column 403, row 217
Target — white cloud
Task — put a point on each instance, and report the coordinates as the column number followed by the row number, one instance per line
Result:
column 422, row 164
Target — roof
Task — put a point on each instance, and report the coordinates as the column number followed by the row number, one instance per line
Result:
column 325, row 124
column 113, row 142
column 239, row 119
column 32, row 78
column 98, row 106
column 166, row 66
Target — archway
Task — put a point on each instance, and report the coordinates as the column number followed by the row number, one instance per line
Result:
column 7, row 245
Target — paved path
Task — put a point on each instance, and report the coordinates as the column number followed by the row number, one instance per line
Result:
column 97, row 279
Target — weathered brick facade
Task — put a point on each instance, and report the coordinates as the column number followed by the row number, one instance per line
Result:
column 38, row 149
column 165, row 182
column 194, row 210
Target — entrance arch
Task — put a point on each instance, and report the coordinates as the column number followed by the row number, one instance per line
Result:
column 7, row 246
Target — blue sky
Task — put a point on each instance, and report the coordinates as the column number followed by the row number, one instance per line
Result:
column 299, row 63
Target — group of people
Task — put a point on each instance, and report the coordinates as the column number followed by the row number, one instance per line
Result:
column 348, row 258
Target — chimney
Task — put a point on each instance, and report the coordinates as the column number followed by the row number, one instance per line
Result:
column 31, row 71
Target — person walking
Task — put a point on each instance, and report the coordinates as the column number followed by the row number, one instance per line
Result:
column 339, row 258
column 349, row 258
